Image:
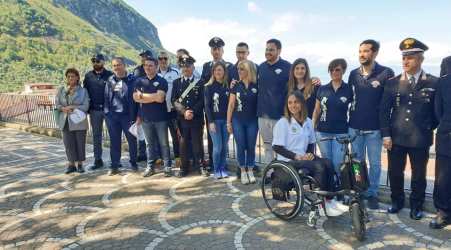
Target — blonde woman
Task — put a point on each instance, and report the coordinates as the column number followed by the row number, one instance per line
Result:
column 242, row 118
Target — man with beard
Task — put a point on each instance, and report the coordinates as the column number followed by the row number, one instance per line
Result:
column 407, row 123
column 367, row 83
column 94, row 83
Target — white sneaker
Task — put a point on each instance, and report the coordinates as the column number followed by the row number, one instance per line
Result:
column 244, row 178
column 341, row 206
column 250, row 174
column 331, row 208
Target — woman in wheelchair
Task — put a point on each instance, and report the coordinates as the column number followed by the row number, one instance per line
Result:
column 294, row 142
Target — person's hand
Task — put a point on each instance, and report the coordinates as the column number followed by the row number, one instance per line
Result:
column 67, row 109
column 212, row 127
column 299, row 158
column 387, row 142
column 138, row 120
column 137, row 95
column 229, row 128
column 232, row 83
column 189, row 115
column 308, row 157
column 316, row 81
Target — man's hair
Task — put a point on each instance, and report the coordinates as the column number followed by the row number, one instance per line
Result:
column 242, row 44
column 151, row 59
column 118, row 58
column 276, row 42
column 374, row 44
column 184, row 51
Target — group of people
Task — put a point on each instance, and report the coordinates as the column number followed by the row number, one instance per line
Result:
column 291, row 110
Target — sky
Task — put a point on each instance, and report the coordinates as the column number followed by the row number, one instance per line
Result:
column 316, row 30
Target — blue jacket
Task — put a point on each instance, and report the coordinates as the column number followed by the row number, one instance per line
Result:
column 129, row 105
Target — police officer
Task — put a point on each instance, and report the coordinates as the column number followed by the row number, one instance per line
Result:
column 169, row 73
column 139, row 72
column 407, row 121
column 94, row 83
column 217, row 51
column 188, row 101
column 120, row 113
column 442, row 185
column 445, row 66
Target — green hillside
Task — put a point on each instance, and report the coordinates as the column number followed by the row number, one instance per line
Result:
column 39, row 39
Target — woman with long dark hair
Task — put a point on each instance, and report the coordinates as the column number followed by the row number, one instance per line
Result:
column 300, row 79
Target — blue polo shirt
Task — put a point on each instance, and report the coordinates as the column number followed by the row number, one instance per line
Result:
column 246, row 101
column 216, row 101
column 152, row 112
column 272, row 88
column 367, row 90
column 333, row 117
column 311, row 100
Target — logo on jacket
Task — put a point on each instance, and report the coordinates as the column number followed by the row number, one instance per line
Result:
column 156, row 84
column 254, row 90
column 343, row 99
column 375, row 84
column 278, row 71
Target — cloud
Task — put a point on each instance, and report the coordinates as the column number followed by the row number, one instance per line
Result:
column 253, row 7
column 194, row 33
column 283, row 23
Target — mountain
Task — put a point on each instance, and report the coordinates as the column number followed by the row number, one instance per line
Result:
column 39, row 39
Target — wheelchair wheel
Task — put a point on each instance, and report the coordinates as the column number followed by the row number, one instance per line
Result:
column 282, row 190
column 358, row 221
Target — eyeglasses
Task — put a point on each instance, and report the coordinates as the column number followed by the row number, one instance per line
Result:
column 240, row 52
column 162, row 58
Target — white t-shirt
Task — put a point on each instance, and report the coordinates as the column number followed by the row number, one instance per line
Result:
column 293, row 136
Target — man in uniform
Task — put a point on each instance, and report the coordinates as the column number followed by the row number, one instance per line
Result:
column 217, row 51
column 188, row 101
column 407, row 121
column 445, row 66
column 139, row 72
column 94, row 83
column 442, row 185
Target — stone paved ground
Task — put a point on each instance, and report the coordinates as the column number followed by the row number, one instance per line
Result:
column 42, row 208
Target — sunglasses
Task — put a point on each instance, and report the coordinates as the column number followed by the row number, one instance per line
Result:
column 93, row 60
column 162, row 58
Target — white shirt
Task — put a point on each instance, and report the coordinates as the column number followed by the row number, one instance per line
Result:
column 293, row 136
column 416, row 75
column 169, row 75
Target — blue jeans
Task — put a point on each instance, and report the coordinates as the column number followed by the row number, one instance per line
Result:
column 156, row 133
column 331, row 149
column 220, row 138
column 96, row 117
column 370, row 144
column 118, row 123
column 245, row 134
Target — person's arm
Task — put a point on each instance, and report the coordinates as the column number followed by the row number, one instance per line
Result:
column 157, row 97
column 230, row 109
column 281, row 150
column 207, row 102
column 438, row 102
column 385, row 110
column 316, row 113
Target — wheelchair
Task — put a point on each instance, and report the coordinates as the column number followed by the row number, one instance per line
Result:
column 288, row 191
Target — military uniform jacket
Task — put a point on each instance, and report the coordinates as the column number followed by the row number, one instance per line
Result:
column 407, row 113
column 194, row 100
column 443, row 113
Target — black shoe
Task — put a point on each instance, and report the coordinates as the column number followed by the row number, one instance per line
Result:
column 148, row 172
column 135, row 167
column 394, row 209
column 113, row 171
column 440, row 221
column 373, row 203
column 80, row 169
column 141, row 158
column 416, row 214
column 204, row 172
column 97, row 164
column 70, row 169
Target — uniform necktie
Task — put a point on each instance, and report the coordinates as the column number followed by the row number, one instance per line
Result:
column 412, row 81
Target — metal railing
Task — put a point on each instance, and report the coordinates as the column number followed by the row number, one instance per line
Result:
column 37, row 110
